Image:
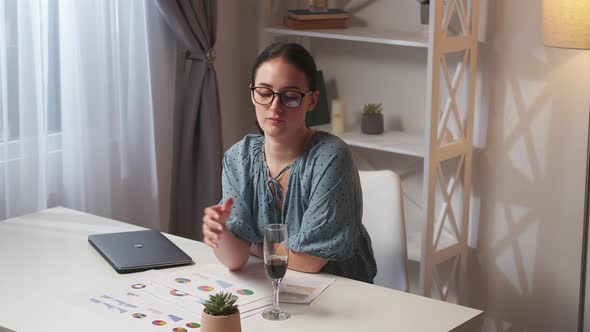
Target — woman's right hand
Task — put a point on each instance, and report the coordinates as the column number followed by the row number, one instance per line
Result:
column 214, row 220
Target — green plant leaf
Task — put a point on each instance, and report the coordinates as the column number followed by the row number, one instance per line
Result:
column 372, row 108
column 221, row 304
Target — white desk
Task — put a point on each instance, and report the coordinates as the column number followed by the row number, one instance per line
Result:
column 46, row 264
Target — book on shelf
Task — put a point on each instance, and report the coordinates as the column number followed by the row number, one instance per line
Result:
column 339, row 23
column 328, row 14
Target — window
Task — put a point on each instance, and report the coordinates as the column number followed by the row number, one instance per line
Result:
column 10, row 117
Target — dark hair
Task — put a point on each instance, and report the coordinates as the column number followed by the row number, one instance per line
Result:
column 292, row 53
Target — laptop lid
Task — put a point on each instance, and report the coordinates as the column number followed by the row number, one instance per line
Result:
column 138, row 250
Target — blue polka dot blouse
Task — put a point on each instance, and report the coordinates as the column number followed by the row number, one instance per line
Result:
column 322, row 204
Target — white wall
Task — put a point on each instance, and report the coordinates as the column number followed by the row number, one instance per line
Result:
column 237, row 47
column 528, row 177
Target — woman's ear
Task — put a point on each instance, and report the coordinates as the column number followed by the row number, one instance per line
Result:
column 315, row 96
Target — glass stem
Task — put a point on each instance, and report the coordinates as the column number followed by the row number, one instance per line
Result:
column 275, row 286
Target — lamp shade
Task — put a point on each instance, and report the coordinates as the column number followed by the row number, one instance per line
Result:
column 566, row 23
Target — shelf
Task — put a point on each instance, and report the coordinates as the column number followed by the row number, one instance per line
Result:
column 449, row 248
column 390, row 141
column 361, row 34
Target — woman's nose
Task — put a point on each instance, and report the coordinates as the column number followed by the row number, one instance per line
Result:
column 276, row 105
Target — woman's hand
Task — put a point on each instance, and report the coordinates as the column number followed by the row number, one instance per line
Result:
column 231, row 251
column 214, row 222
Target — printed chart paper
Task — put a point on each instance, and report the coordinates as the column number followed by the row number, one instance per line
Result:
column 303, row 288
column 296, row 287
column 175, row 300
column 201, row 284
column 252, row 296
column 149, row 313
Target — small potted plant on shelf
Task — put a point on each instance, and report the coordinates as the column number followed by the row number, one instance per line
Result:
column 372, row 121
column 221, row 314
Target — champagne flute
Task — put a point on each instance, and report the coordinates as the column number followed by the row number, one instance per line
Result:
column 276, row 258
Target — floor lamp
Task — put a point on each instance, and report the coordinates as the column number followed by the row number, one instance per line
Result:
column 566, row 24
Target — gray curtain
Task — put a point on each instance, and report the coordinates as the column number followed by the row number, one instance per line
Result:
column 197, row 150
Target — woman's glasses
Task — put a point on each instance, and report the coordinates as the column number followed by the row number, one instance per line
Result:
column 288, row 98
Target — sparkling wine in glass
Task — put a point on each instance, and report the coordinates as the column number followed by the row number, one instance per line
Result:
column 276, row 259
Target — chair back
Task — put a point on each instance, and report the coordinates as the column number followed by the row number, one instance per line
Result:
column 383, row 217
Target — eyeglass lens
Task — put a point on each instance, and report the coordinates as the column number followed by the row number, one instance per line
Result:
column 289, row 98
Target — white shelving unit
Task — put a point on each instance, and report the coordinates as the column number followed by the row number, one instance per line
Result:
column 360, row 34
column 403, row 143
column 441, row 244
column 390, row 141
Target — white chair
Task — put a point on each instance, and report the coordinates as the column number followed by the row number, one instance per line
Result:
column 383, row 217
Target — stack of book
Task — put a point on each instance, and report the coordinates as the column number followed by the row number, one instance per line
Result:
column 303, row 19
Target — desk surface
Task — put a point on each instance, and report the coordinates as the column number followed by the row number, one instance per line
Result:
column 46, row 263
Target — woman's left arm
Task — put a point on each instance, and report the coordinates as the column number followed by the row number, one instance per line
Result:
column 256, row 250
column 302, row 262
column 298, row 261
column 331, row 222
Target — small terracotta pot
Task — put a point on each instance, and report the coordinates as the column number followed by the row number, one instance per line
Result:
column 231, row 323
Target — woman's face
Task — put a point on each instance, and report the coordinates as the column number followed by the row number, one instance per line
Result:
column 276, row 120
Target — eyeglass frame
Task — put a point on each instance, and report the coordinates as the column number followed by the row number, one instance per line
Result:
column 274, row 94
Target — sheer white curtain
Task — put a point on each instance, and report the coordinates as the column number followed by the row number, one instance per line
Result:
column 23, row 101
column 78, row 107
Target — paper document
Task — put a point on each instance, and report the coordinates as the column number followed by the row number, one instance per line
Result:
column 296, row 287
column 175, row 300
column 303, row 288
column 143, row 304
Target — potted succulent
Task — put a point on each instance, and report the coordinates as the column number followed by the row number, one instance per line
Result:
column 372, row 121
column 221, row 314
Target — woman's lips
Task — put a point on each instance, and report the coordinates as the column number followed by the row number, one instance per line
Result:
column 275, row 120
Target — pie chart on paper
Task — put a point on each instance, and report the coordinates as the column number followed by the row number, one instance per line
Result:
column 176, row 292
column 245, row 292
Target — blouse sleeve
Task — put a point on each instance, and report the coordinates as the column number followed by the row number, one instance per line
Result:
column 235, row 183
column 331, row 223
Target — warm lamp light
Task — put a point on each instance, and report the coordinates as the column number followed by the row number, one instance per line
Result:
column 566, row 24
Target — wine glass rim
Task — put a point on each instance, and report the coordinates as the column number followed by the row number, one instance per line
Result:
column 271, row 227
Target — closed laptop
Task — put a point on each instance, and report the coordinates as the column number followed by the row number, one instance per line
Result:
column 138, row 250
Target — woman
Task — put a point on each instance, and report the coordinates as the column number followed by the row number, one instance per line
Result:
column 291, row 175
